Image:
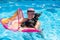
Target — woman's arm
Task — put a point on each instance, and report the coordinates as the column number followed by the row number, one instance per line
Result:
column 37, row 25
column 18, row 14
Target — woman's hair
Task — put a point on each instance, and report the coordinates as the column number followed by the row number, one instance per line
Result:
column 30, row 10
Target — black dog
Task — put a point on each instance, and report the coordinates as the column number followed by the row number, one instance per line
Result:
column 31, row 22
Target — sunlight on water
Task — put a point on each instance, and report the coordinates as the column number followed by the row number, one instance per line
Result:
column 50, row 22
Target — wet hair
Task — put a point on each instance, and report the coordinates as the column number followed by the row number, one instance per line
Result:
column 30, row 10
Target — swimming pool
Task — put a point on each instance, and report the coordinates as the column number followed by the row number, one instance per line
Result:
column 50, row 20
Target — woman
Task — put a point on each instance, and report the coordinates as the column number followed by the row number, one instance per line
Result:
column 30, row 13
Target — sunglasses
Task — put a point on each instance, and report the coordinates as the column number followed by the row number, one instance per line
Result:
column 30, row 11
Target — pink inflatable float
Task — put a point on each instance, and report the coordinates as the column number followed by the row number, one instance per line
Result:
column 13, row 23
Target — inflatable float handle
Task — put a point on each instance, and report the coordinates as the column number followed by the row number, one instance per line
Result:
column 4, row 25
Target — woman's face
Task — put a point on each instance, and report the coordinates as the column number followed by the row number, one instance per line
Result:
column 30, row 15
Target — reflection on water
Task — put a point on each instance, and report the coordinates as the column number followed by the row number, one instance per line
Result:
column 50, row 21
column 5, row 38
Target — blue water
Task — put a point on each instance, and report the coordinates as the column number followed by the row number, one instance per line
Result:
column 50, row 20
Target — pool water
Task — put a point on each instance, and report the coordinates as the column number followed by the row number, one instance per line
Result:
column 50, row 20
